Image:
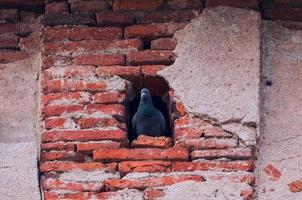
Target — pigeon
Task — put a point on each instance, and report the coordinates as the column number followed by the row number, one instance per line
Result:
column 148, row 120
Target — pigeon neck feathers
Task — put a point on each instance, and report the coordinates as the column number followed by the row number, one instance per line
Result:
column 146, row 105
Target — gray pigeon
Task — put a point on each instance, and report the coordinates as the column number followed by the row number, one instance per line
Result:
column 148, row 120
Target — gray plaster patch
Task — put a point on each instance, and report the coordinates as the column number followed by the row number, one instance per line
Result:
column 208, row 190
column 88, row 176
column 18, row 171
column 281, row 110
column 246, row 133
column 128, row 194
column 216, row 72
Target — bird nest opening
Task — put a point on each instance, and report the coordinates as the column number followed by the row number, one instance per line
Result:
column 159, row 93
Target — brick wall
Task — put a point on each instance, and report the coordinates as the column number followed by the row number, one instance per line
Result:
column 93, row 53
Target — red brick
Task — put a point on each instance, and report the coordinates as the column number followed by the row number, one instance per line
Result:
column 294, row 14
column 254, row 4
column 48, row 195
column 184, row 4
column 235, row 178
column 153, row 194
column 163, row 44
column 150, row 57
column 84, row 135
column 191, row 122
column 8, row 57
column 57, row 184
column 58, row 146
column 30, row 43
column 116, row 110
column 49, row 111
column 140, row 154
column 9, row 15
column 144, row 141
column 70, row 85
column 54, row 123
column 19, row 28
column 88, row 6
column 187, row 133
column 69, row 72
column 136, row 5
column 9, row 41
column 169, row 16
column 115, row 19
column 273, row 173
column 180, row 108
column 100, row 59
column 151, row 70
column 82, row 33
column 62, row 155
column 153, row 31
column 295, row 186
column 143, row 183
column 49, row 61
column 213, row 143
column 83, row 47
column 233, row 153
column 54, row 19
column 144, row 166
column 91, row 122
column 90, row 146
column 59, row 166
column 108, row 97
column 57, row 98
column 57, row 7
column 214, row 165
column 216, row 132
column 123, row 71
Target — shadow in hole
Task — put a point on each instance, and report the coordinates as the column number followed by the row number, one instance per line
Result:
column 132, row 106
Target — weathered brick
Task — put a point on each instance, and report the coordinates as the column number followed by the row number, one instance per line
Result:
column 53, row 60
column 151, row 70
column 144, row 141
column 232, row 153
column 54, row 123
column 115, row 19
column 72, row 97
column 54, row 19
column 57, row 184
column 123, row 71
column 8, row 57
column 187, row 133
column 81, row 33
column 58, row 146
column 71, row 85
column 91, row 122
column 62, row 166
column 100, row 59
column 180, row 108
column 153, row 194
column 153, row 31
column 9, row 41
column 216, row 132
column 30, row 43
column 108, row 97
column 50, row 195
column 57, row 7
column 272, row 172
column 88, row 6
column 294, row 14
column 187, row 121
column 144, row 166
column 110, row 155
column 164, row 16
column 115, row 110
column 88, row 147
column 234, row 177
column 57, row 110
column 69, row 72
column 150, row 57
column 213, row 143
column 163, row 44
column 84, row 135
column 62, row 155
column 295, row 186
column 136, row 5
column 143, row 183
column 184, row 4
column 84, row 47
column 214, row 165
column 19, row 28
column 9, row 15
column 254, row 4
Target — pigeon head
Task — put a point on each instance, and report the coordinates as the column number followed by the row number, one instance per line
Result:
column 145, row 96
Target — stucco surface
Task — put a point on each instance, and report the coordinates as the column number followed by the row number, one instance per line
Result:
column 216, row 72
column 19, row 172
column 281, row 111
